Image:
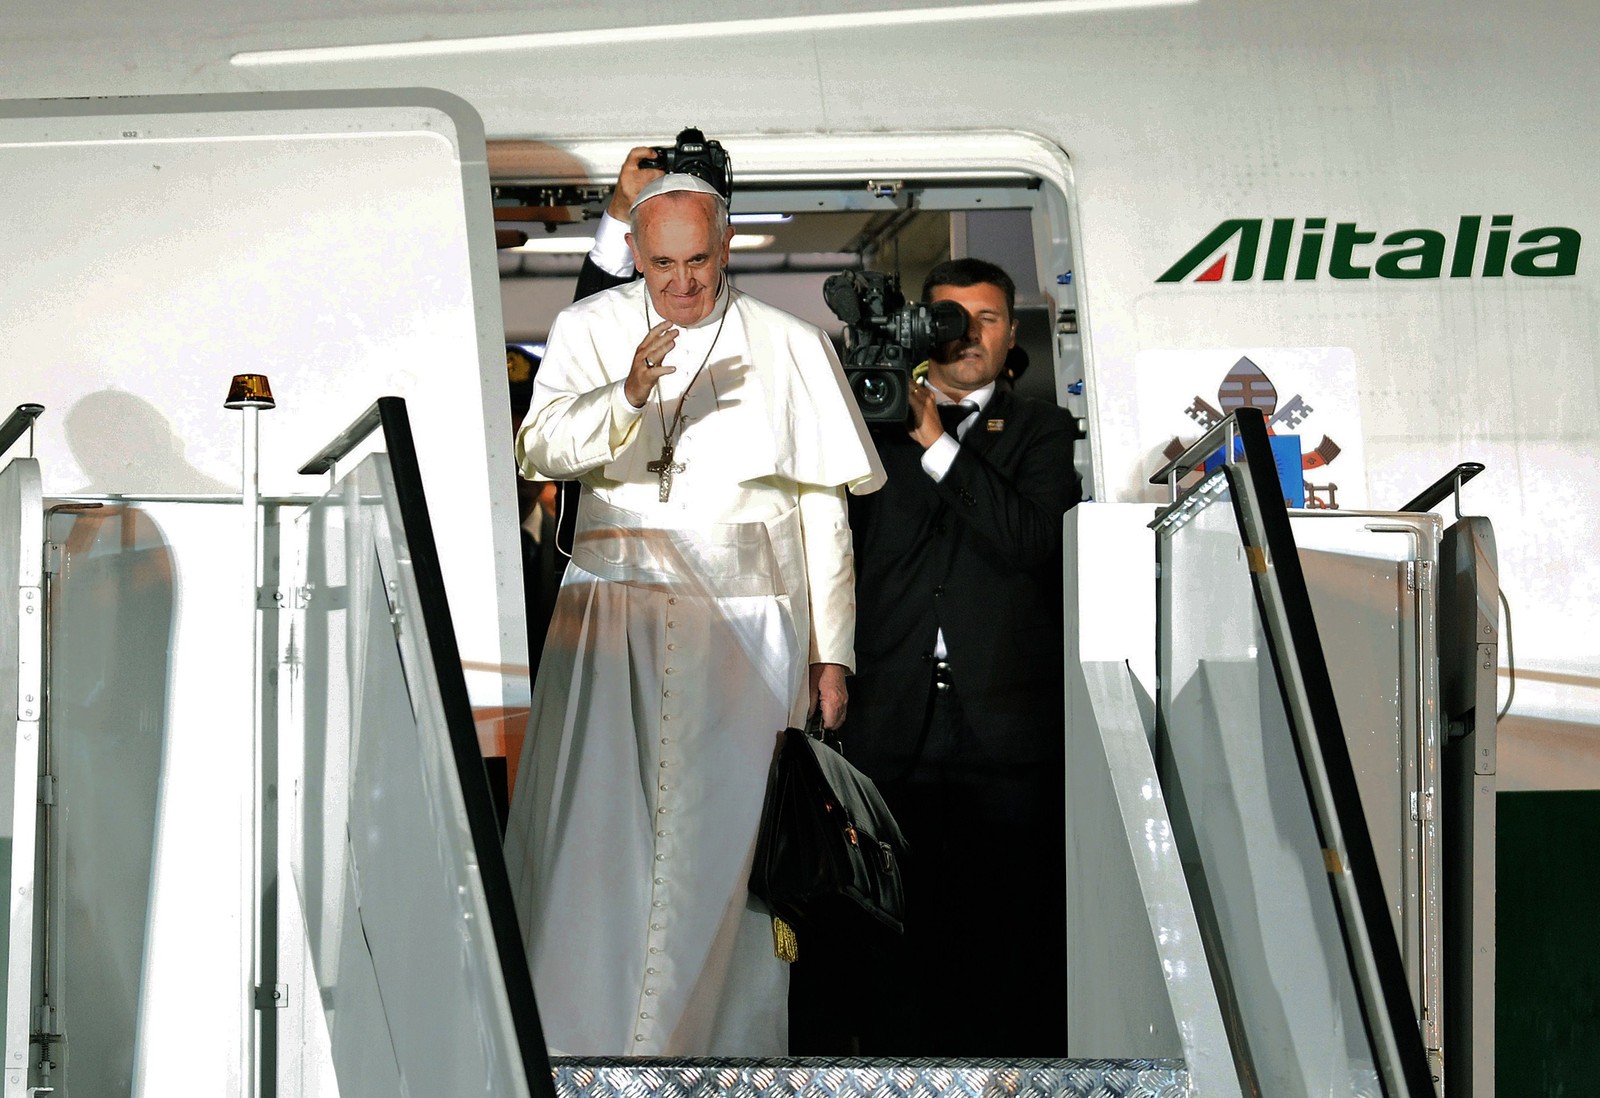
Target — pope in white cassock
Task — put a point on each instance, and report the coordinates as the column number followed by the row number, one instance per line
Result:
column 712, row 566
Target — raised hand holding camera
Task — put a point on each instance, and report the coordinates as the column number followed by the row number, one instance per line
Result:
column 636, row 174
column 922, row 421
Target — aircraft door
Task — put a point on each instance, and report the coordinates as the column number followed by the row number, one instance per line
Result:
column 21, row 705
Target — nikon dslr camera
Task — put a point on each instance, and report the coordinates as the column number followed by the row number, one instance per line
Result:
column 694, row 155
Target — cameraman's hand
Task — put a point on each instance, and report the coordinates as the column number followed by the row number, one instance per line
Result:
column 647, row 363
column 631, row 180
column 925, row 426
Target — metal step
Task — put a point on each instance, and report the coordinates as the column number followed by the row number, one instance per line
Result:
column 868, row 1078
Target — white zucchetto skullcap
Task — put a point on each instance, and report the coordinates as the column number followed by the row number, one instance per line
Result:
column 676, row 181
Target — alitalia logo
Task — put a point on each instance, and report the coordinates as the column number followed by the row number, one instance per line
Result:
column 1305, row 249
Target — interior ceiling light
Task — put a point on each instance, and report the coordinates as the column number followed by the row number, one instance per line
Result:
column 673, row 32
column 555, row 245
column 580, row 245
column 761, row 219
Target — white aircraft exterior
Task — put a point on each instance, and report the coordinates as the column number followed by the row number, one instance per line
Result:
column 1391, row 205
column 1434, row 151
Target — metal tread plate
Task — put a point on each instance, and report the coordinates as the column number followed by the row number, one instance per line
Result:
column 867, row 1078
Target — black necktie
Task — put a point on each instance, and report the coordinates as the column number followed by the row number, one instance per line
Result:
column 952, row 416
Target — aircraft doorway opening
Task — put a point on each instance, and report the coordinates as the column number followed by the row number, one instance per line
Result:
column 791, row 236
column 793, row 232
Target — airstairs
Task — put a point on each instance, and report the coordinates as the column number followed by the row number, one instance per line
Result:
column 1280, row 804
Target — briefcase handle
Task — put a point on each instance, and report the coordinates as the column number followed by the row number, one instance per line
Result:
column 829, row 736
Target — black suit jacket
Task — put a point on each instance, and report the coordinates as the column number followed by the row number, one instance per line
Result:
column 592, row 279
column 978, row 553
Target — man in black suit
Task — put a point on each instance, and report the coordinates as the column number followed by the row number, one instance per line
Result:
column 610, row 262
column 541, row 570
column 956, row 710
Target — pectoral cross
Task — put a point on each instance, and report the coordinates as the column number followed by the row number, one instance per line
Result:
column 663, row 470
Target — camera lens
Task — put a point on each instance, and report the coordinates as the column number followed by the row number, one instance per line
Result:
column 874, row 391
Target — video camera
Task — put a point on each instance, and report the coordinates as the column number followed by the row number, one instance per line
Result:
column 694, row 155
column 886, row 338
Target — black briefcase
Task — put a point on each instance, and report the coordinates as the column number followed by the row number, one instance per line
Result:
column 827, row 844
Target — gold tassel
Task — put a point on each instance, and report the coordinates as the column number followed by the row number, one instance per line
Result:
column 784, row 942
